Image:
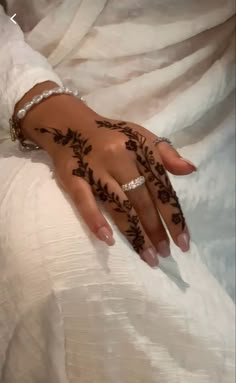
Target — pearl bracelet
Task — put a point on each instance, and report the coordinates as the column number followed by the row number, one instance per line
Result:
column 15, row 129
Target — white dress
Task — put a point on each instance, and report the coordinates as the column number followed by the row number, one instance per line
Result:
column 71, row 309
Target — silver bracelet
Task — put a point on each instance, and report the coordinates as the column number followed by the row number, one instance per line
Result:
column 15, row 129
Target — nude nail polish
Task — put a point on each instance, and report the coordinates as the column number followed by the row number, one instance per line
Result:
column 183, row 241
column 189, row 163
column 163, row 248
column 150, row 256
column 105, row 235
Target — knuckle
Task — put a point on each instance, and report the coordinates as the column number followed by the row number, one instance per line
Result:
column 115, row 148
column 64, row 169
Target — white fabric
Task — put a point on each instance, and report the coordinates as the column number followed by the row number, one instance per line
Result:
column 71, row 309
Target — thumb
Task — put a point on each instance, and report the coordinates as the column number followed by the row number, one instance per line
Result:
column 173, row 162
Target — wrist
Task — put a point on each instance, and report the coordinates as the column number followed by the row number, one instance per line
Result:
column 37, row 89
column 24, row 126
column 57, row 111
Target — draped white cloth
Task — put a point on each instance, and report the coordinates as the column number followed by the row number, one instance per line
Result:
column 71, row 309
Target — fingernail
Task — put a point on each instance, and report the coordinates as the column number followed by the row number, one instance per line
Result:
column 183, row 241
column 163, row 248
column 105, row 235
column 150, row 256
column 189, row 163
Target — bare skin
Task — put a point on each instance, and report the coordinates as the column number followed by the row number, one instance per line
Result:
column 93, row 156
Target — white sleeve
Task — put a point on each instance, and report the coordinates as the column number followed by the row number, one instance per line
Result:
column 21, row 68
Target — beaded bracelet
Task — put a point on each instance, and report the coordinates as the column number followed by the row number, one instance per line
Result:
column 15, row 129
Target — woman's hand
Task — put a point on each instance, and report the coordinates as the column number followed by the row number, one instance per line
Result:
column 93, row 156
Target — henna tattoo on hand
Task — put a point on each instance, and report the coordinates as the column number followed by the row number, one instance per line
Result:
column 81, row 148
column 156, row 172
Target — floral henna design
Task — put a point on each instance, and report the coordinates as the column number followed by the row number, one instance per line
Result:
column 156, row 172
column 81, row 148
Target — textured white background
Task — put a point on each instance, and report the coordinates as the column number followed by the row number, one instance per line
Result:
column 72, row 310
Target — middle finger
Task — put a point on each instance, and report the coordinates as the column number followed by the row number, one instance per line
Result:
column 142, row 201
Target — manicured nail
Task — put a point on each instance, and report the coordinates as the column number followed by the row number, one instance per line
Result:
column 150, row 256
column 189, row 163
column 163, row 248
column 183, row 241
column 105, row 235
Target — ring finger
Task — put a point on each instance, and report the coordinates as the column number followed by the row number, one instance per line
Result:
column 144, row 205
column 164, row 196
column 126, row 218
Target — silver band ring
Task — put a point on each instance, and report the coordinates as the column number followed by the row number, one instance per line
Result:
column 158, row 140
column 133, row 184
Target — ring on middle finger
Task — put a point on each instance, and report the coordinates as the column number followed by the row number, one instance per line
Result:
column 133, row 184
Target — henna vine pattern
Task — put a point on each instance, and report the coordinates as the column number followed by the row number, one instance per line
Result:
column 156, row 172
column 81, row 148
